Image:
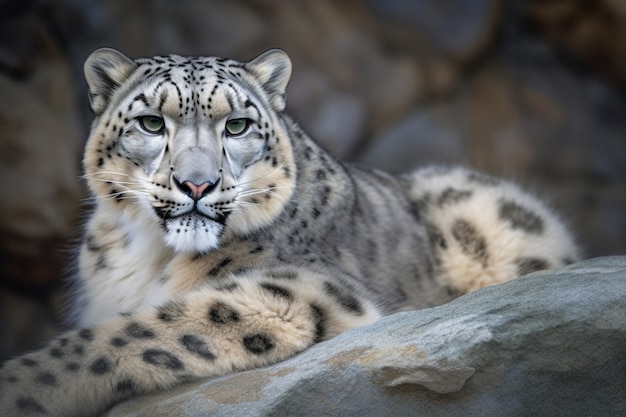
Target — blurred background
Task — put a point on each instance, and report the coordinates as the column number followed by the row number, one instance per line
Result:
column 533, row 90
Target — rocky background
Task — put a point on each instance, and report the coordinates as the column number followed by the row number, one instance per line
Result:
column 534, row 90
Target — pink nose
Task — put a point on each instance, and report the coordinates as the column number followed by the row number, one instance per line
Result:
column 196, row 191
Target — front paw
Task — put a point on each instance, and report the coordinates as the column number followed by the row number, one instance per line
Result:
column 23, row 388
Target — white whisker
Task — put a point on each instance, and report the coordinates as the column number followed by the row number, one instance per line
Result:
column 125, row 193
column 260, row 178
column 104, row 173
column 117, row 182
column 267, row 191
column 243, row 204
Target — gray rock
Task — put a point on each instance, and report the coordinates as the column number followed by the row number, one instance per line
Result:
column 455, row 27
column 336, row 120
column 339, row 124
column 425, row 137
column 551, row 343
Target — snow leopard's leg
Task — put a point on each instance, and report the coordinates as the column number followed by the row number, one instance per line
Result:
column 484, row 230
column 253, row 320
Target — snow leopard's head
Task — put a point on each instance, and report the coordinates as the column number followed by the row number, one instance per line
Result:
column 192, row 145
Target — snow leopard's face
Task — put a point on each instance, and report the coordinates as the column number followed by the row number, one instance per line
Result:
column 195, row 145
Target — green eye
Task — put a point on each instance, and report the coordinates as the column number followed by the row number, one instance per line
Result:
column 152, row 124
column 236, row 127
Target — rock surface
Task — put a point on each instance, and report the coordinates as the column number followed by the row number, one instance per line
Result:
column 551, row 343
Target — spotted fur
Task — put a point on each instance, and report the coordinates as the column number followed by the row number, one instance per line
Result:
column 223, row 238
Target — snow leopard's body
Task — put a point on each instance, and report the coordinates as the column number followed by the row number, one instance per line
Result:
column 224, row 238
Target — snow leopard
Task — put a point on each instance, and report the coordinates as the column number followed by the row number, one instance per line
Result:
column 223, row 238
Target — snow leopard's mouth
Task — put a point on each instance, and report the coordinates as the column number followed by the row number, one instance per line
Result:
column 191, row 216
column 193, row 231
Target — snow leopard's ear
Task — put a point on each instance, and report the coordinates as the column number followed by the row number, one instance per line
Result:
column 105, row 70
column 273, row 70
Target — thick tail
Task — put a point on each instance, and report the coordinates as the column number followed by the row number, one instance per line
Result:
column 485, row 230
